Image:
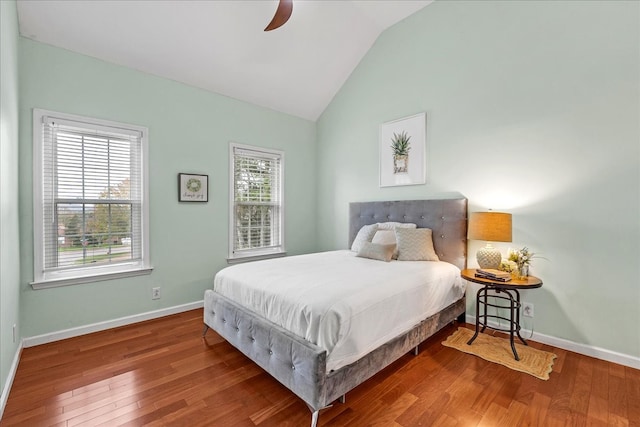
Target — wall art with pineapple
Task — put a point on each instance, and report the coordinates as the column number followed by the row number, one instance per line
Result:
column 402, row 151
column 400, row 146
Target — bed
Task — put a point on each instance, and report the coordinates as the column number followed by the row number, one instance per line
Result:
column 311, row 371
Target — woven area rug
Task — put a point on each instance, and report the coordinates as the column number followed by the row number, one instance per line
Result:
column 532, row 361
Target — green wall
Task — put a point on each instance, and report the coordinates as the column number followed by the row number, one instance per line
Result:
column 532, row 108
column 9, row 214
column 189, row 131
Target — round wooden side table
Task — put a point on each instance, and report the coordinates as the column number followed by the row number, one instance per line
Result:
column 506, row 291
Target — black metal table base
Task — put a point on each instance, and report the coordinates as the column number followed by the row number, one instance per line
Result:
column 513, row 297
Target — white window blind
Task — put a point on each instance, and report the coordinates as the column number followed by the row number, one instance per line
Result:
column 91, row 212
column 257, row 205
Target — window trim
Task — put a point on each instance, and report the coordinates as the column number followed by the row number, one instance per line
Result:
column 261, row 253
column 47, row 279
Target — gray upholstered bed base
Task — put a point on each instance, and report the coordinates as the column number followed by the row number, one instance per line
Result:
column 300, row 365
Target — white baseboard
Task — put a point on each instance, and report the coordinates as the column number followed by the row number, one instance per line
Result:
column 12, row 374
column 587, row 350
column 108, row 324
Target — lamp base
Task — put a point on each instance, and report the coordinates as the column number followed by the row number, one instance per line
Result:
column 489, row 257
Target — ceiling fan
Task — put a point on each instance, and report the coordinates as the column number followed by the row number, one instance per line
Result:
column 283, row 13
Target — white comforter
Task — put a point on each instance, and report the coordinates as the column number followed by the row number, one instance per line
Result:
column 343, row 303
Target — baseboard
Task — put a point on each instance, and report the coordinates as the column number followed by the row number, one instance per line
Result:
column 12, row 374
column 109, row 324
column 587, row 350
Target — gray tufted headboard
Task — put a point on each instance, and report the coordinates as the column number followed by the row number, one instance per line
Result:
column 446, row 217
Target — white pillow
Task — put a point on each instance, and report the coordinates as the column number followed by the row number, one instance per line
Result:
column 375, row 251
column 394, row 225
column 365, row 234
column 415, row 244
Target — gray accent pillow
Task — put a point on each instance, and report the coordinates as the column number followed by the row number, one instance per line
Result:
column 376, row 251
column 415, row 244
column 365, row 234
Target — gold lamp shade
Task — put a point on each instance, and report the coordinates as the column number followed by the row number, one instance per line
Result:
column 490, row 227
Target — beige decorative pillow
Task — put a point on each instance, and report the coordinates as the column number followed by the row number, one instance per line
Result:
column 365, row 234
column 386, row 237
column 415, row 244
column 375, row 251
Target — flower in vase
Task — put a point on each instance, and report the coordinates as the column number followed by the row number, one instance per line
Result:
column 521, row 257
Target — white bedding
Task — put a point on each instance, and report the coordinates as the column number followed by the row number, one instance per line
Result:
column 345, row 304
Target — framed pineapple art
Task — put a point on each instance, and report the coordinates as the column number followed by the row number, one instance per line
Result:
column 403, row 151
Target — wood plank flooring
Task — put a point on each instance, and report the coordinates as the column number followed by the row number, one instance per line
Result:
column 162, row 373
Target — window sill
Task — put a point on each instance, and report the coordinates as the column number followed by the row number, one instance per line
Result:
column 249, row 258
column 46, row 284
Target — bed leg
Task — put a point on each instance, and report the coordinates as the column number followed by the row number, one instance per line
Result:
column 462, row 318
column 342, row 399
column 204, row 331
column 416, row 350
column 314, row 418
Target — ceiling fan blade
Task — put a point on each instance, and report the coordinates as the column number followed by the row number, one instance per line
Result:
column 283, row 13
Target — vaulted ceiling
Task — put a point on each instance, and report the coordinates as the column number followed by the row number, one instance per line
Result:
column 220, row 46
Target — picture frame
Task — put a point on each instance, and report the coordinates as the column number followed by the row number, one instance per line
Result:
column 403, row 151
column 193, row 187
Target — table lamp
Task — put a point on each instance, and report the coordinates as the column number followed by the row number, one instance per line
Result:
column 490, row 227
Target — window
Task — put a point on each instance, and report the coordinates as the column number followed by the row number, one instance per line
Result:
column 256, row 217
column 90, row 200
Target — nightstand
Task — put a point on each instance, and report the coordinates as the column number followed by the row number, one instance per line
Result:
column 505, row 291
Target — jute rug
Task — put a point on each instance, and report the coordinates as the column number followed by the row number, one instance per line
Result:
column 498, row 350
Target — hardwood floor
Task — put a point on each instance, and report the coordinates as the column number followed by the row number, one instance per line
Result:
column 161, row 373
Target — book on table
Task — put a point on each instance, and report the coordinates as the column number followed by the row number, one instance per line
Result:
column 493, row 274
column 495, row 279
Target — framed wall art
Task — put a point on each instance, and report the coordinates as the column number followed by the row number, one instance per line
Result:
column 403, row 151
column 193, row 187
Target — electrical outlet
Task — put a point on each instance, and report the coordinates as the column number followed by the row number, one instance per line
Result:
column 527, row 309
column 14, row 333
column 155, row 293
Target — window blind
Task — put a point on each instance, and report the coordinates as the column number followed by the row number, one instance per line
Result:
column 92, row 194
column 257, row 201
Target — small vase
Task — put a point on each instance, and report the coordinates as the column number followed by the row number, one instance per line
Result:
column 523, row 272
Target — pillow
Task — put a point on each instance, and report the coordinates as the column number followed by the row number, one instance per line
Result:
column 415, row 244
column 375, row 251
column 386, row 237
column 365, row 234
column 394, row 225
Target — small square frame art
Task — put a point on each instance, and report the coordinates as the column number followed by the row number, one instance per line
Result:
column 403, row 151
column 193, row 187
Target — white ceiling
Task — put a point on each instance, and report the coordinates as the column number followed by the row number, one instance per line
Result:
column 220, row 46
